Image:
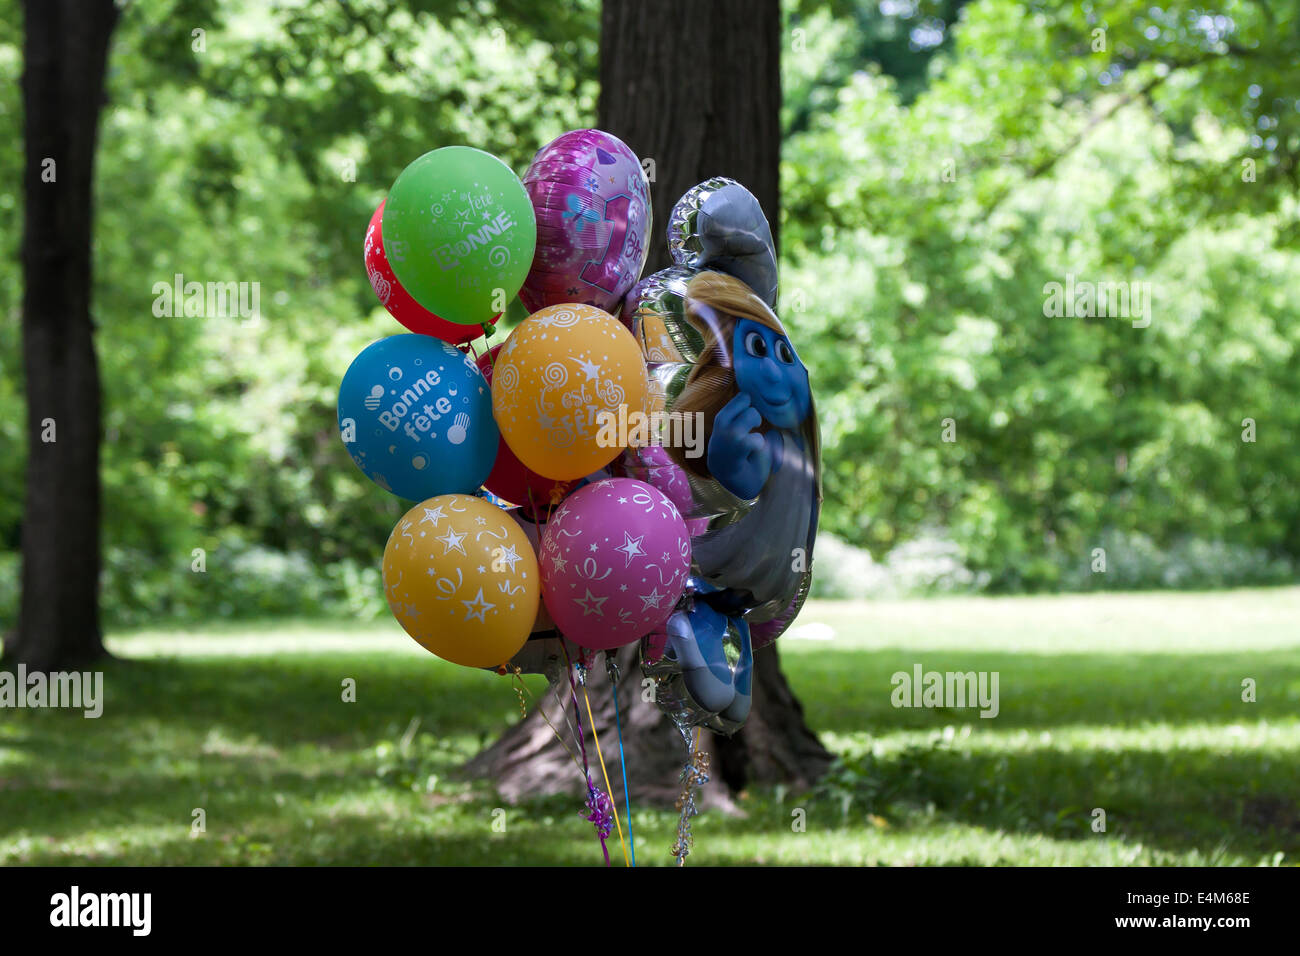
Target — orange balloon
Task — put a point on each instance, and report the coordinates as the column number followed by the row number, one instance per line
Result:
column 461, row 578
column 562, row 384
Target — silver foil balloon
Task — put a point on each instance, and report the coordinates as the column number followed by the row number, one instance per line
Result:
column 720, row 225
column 763, row 633
column 738, row 449
column 702, row 666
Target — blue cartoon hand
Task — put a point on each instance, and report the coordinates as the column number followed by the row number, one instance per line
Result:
column 739, row 456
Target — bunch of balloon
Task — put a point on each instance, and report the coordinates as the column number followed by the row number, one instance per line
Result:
column 750, row 489
column 553, row 517
column 524, row 424
column 448, row 247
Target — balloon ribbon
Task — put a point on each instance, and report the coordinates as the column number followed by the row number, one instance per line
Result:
column 597, row 803
column 604, row 773
column 695, row 774
column 612, row 668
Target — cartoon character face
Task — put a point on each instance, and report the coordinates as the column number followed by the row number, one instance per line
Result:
column 769, row 371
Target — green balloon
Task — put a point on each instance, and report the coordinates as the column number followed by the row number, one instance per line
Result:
column 460, row 233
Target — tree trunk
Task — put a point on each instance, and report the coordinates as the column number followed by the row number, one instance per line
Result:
column 65, row 52
column 696, row 88
column 527, row 760
column 775, row 745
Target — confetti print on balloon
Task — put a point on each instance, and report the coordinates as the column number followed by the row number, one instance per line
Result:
column 614, row 561
column 564, row 375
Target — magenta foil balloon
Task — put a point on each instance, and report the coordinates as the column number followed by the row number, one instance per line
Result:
column 614, row 561
column 656, row 468
column 592, row 202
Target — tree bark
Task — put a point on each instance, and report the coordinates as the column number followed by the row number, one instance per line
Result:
column 696, row 88
column 65, row 53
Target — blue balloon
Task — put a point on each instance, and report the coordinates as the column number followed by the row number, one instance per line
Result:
column 415, row 414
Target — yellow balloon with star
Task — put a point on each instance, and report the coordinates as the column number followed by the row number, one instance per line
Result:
column 461, row 578
column 568, row 387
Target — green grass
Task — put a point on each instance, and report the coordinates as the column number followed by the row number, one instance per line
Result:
column 1130, row 703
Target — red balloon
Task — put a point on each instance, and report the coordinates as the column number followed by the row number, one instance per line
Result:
column 510, row 479
column 398, row 301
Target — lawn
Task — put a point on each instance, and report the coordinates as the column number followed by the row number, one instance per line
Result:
column 1127, row 703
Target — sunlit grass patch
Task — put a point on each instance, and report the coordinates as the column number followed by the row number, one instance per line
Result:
column 1126, row 704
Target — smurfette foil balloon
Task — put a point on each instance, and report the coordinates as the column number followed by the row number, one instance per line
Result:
column 727, row 365
column 702, row 664
column 737, row 445
column 720, row 225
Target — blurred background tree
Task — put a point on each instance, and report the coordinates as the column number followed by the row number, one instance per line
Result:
column 65, row 48
column 942, row 162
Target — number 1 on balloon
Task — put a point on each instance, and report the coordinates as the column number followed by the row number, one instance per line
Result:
column 601, row 273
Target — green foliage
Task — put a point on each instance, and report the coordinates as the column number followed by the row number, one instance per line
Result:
column 930, row 193
column 922, row 238
column 900, row 37
column 1134, row 562
column 259, row 158
column 1120, row 561
column 239, row 580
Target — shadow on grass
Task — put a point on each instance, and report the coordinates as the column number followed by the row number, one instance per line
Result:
column 1201, row 798
column 289, row 773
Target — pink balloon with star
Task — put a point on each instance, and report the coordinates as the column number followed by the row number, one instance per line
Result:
column 614, row 560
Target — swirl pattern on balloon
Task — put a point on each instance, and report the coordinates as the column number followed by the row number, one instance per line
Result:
column 565, row 379
column 508, row 375
column 555, row 375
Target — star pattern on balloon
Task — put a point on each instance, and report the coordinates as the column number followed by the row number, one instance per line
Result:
column 477, row 608
column 631, row 548
column 508, row 555
column 452, row 540
column 591, row 604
